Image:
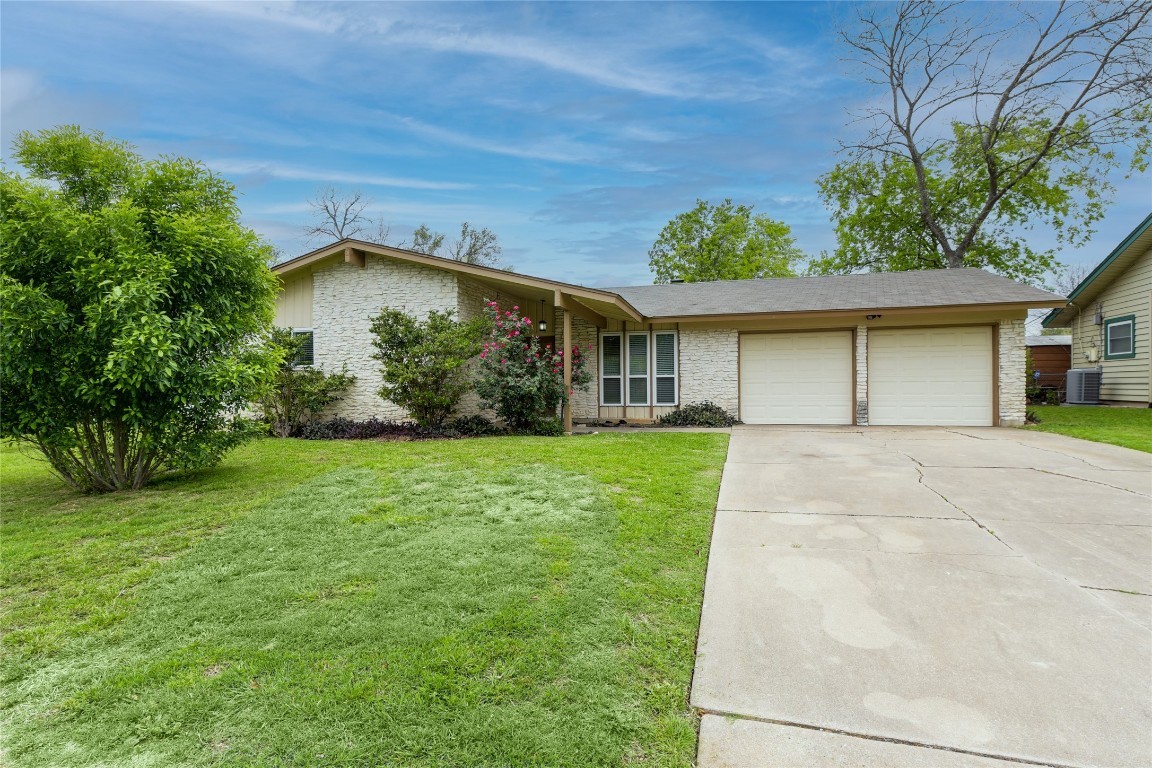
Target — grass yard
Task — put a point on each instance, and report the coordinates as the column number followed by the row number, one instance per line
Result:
column 494, row 602
column 1128, row 427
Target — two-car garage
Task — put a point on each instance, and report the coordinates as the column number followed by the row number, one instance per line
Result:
column 931, row 376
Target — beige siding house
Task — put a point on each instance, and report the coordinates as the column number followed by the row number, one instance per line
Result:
column 944, row 347
column 1109, row 315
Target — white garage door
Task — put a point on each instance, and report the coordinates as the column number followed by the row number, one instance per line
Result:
column 796, row 378
column 939, row 376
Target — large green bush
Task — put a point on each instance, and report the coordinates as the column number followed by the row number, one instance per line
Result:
column 300, row 391
column 134, row 310
column 424, row 362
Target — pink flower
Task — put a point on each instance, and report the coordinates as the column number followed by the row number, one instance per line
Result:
column 483, row 355
column 527, row 320
column 503, row 362
column 516, row 308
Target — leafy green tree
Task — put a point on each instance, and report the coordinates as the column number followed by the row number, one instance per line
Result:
column 1054, row 98
column 424, row 362
column 425, row 240
column 723, row 242
column 474, row 246
column 300, row 391
column 133, row 311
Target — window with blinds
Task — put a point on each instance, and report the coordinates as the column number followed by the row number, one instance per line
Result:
column 639, row 368
column 304, row 355
column 611, row 370
column 664, row 365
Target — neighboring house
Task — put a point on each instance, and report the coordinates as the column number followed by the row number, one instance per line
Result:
column 1051, row 358
column 1109, row 314
column 942, row 347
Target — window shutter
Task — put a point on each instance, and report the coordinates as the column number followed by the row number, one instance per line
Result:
column 611, row 370
column 664, row 344
column 638, row 369
column 304, row 356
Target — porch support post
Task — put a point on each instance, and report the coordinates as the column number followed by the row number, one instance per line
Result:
column 568, row 372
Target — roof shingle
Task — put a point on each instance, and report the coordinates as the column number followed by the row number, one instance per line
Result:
column 879, row 290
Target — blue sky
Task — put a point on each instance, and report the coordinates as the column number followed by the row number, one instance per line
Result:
column 573, row 131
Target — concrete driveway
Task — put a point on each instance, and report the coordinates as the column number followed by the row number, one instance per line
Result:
column 927, row 597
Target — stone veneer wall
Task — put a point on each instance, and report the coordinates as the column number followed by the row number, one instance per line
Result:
column 470, row 297
column 1012, row 372
column 862, row 375
column 345, row 298
column 709, row 367
column 586, row 402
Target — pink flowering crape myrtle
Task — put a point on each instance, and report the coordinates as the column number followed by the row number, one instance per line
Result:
column 526, row 386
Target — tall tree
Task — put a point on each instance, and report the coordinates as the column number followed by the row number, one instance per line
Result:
column 723, row 242
column 476, row 246
column 338, row 215
column 132, row 309
column 473, row 246
column 424, row 240
column 988, row 123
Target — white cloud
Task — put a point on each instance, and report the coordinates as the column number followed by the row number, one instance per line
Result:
column 559, row 150
column 30, row 102
column 277, row 170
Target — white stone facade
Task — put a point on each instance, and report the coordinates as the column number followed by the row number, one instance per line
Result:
column 862, row 375
column 585, row 402
column 1013, row 401
column 709, row 367
column 345, row 298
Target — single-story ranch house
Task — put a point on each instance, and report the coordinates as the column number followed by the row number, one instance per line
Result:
column 941, row 347
column 1110, row 317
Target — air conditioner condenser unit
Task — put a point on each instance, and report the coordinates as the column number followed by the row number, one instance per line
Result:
column 1084, row 386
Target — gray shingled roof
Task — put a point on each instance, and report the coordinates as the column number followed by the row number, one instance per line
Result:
column 880, row 290
column 1048, row 341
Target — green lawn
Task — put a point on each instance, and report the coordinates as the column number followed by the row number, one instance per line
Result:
column 1129, row 427
column 494, row 602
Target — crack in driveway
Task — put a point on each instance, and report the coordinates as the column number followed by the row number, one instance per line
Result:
column 886, row 739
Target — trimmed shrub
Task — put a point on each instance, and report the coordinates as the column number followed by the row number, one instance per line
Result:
column 705, row 414
column 300, row 392
column 548, row 428
column 340, row 428
column 475, row 426
column 425, row 361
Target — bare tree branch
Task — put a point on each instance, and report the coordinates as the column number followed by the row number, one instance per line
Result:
column 1067, row 98
column 340, row 215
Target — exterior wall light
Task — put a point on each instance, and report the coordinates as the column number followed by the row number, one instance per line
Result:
column 542, row 326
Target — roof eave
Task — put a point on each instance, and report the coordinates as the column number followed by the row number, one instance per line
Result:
column 1111, row 258
column 439, row 262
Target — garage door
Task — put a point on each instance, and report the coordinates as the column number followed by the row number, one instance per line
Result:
column 796, row 378
column 930, row 376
